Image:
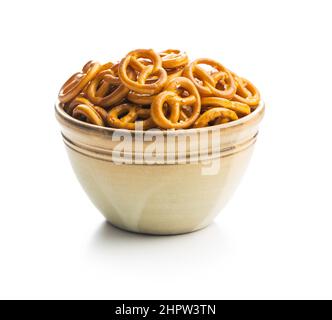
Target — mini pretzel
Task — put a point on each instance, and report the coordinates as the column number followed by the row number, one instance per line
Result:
column 102, row 112
column 83, row 101
column 126, row 116
column 146, row 99
column 163, row 90
column 106, row 89
column 112, row 75
column 89, row 113
column 221, row 121
column 73, row 104
column 246, row 92
column 141, row 99
column 173, row 73
column 219, row 84
column 145, row 72
column 173, row 59
column 77, row 82
column 175, row 100
column 241, row 109
column 216, row 116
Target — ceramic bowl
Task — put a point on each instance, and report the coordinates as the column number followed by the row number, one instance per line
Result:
column 180, row 187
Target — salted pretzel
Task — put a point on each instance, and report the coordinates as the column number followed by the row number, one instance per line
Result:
column 83, row 101
column 102, row 112
column 216, row 84
column 241, row 109
column 161, row 90
column 175, row 99
column 141, row 99
column 103, row 87
column 78, row 81
column 246, row 92
column 106, row 89
column 173, row 59
column 146, row 99
column 126, row 116
column 215, row 116
column 221, row 121
column 89, row 113
column 144, row 72
column 69, row 107
column 174, row 73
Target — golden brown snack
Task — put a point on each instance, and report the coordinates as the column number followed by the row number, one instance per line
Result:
column 69, row 107
column 140, row 99
column 126, row 116
column 246, row 92
column 106, row 90
column 90, row 114
column 102, row 112
column 219, row 83
column 173, row 73
column 215, row 116
column 146, row 99
column 179, row 93
column 112, row 75
column 159, row 90
column 77, row 82
column 144, row 72
column 173, row 59
column 241, row 109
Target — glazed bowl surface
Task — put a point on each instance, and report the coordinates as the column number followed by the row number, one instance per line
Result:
column 160, row 182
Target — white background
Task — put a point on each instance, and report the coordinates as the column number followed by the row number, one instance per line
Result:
column 273, row 240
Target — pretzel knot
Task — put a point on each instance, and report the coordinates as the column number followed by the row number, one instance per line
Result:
column 219, row 83
column 147, row 99
column 127, row 116
column 148, row 66
column 246, row 92
column 69, row 107
column 241, row 109
column 91, row 114
column 215, row 116
column 178, row 106
column 106, row 89
column 173, row 59
column 77, row 82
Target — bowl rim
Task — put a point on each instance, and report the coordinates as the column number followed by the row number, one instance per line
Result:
column 91, row 127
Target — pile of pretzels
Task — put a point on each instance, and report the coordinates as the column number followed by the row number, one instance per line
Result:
column 158, row 90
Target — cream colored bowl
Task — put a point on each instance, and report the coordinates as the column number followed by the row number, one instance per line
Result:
column 175, row 195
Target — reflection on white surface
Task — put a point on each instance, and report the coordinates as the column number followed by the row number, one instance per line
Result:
column 207, row 245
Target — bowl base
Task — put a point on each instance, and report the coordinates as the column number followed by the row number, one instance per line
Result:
column 157, row 233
